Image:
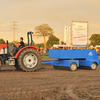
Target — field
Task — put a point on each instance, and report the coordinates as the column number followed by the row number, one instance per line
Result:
column 45, row 57
column 49, row 84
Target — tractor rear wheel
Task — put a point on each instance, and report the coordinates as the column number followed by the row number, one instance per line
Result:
column 29, row 60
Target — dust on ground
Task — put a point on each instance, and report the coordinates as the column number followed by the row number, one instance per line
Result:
column 49, row 84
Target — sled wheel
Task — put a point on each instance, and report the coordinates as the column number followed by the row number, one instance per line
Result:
column 73, row 67
column 93, row 66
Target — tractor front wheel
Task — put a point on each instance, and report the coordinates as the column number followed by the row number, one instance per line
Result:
column 29, row 60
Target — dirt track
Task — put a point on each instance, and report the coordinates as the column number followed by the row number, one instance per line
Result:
column 49, row 84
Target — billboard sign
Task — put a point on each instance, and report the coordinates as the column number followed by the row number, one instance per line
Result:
column 79, row 33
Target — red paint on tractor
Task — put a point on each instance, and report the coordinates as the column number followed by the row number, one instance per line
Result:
column 27, row 47
column 3, row 46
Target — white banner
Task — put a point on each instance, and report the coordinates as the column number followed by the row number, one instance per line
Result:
column 67, row 35
column 79, row 33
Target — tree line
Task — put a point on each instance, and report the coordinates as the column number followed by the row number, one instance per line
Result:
column 44, row 30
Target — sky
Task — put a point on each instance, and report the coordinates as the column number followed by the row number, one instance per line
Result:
column 56, row 13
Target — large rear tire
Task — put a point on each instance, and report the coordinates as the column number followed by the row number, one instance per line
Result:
column 29, row 60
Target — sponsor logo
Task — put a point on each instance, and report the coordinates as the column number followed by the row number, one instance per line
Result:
column 90, row 54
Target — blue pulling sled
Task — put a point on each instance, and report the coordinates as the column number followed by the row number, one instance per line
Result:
column 73, row 59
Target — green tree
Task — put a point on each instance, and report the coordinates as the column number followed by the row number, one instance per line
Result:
column 63, row 43
column 95, row 39
column 2, row 41
column 11, row 43
column 16, row 42
column 43, row 30
column 39, row 45
column 52, row 40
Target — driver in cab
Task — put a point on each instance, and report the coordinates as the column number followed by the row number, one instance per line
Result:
column 18, row 47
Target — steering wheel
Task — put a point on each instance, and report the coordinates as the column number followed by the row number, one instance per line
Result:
column 13, row 45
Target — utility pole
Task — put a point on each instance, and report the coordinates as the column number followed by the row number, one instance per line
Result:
column 14, row 27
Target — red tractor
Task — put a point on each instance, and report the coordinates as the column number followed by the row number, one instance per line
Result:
column 26, row 59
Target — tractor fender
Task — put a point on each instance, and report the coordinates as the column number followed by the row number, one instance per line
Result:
column 22, row 49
